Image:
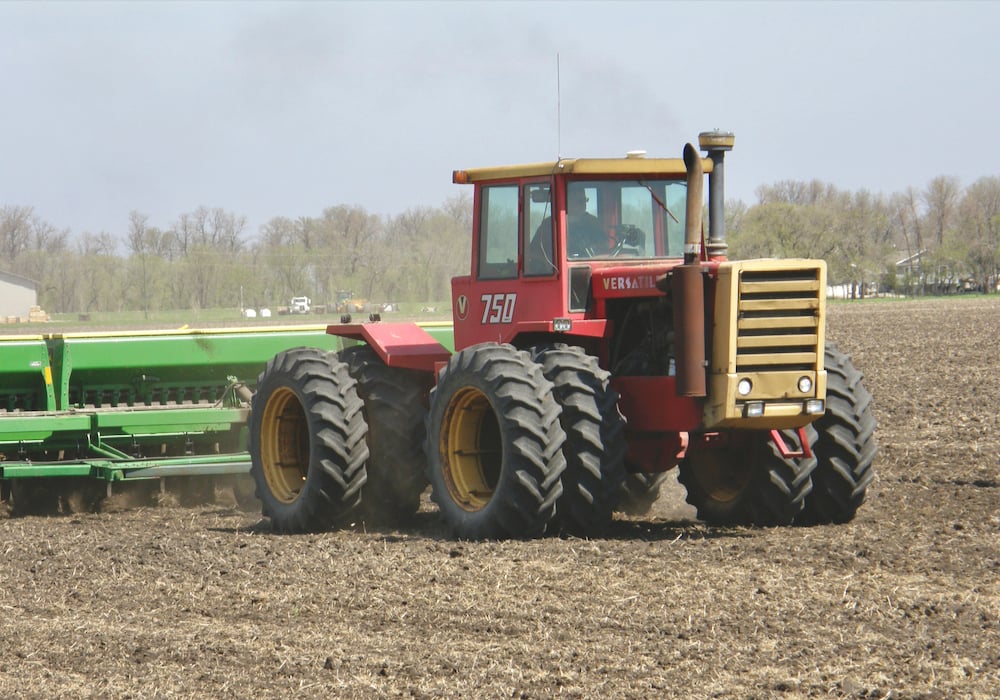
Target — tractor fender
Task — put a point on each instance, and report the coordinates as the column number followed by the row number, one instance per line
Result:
column 403, row 345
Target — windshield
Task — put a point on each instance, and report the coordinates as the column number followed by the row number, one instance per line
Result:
column 625, row 218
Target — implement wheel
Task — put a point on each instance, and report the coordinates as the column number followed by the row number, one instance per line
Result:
column 595, row 438
column 395, row 409
column 742, row 479
column 494, row 457
column 844, row 447
column 307, row 441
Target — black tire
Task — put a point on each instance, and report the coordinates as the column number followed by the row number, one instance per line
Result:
column 307, row 441
column 744, row 480
column 595, row 438
column 494, row 457
column 395, row 410
column 639, row 492
column 844, row 447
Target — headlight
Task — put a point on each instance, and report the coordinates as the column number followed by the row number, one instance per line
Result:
column 744, row 387
column 805, row 385
column 815, row 407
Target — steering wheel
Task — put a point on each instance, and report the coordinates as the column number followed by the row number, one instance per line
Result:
column 627, row 235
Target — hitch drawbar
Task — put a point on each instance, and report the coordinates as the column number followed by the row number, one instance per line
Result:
column 788, row 452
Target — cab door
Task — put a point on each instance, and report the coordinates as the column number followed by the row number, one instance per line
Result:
column 514, row 261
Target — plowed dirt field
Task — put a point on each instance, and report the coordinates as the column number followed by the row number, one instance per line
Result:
column 904, row 602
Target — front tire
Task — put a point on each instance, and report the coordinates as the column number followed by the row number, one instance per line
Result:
column 595, row 438
column 494, row 457
column 307, row 441
column 742, row 479
column 845, row 446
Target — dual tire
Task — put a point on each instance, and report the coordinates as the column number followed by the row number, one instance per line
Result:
column 395, row 404
column 337, row 437
column 745, row 480
column 595, row 438
column 524, row 443
column 307, row 441
column 494, row 444
column 844, row 446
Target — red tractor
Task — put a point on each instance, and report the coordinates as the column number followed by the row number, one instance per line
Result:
column 600, row 341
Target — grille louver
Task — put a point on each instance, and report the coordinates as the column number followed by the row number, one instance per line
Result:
column 778, row 320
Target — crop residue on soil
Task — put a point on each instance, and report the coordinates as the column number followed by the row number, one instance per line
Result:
column 904, row 602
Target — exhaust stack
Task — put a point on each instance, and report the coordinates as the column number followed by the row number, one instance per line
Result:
column 687, row 284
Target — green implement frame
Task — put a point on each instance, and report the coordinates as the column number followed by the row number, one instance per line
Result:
column 139, row 405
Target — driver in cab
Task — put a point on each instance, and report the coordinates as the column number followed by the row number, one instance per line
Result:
column 585, row 237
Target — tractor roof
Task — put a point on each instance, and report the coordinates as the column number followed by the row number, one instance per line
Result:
column 597, row 167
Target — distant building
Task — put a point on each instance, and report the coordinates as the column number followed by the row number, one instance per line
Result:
column 17, row 295
column 911, row 266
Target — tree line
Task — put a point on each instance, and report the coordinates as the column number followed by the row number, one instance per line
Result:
column 208, row 258
column 940, row 239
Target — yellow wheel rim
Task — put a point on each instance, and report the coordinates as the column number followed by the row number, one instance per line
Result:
column 284, row 445
column 471, row 453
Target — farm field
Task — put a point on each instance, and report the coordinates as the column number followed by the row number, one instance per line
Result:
column 902, row 603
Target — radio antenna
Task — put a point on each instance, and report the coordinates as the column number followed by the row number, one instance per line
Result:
column 558, row 112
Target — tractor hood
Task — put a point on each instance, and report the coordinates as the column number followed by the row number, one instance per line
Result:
column 621, row 281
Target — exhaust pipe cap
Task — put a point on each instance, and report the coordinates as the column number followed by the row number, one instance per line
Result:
column 716, row 140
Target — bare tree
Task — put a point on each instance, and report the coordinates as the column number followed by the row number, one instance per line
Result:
column 15, row 231
column 206, row 243
column 147, row 245
column 978, row 232
column 941, row 198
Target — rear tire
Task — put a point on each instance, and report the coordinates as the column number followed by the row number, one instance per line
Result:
column 395, row 411
column 745, row 481
column 595, row 438
column 845, row 446
column 307, row 441
column 494, row 457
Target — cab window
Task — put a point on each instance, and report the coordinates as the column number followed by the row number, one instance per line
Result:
column 625, row 218
column 498, row 219
column 538, row 230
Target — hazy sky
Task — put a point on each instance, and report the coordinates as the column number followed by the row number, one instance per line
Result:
column 282, row 109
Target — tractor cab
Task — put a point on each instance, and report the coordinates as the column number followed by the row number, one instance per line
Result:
column 552, row 242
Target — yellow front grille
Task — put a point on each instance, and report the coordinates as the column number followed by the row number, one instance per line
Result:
column 768, row 329
column 777, row 319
